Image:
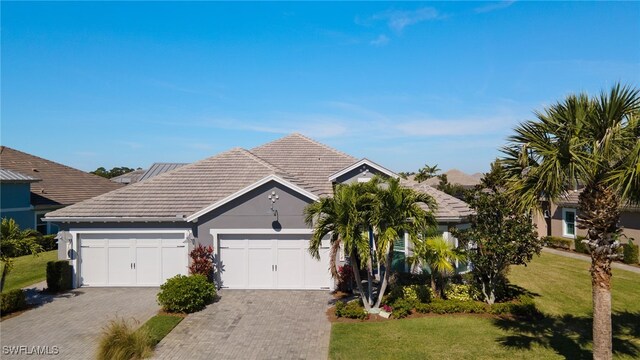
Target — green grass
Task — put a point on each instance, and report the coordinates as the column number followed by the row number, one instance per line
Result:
column 563, row 292
column 159, row 326
column 28, row 270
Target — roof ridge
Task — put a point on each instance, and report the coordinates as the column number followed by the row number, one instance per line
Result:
column 297, row 134
column 4, row 147
column 278, row 169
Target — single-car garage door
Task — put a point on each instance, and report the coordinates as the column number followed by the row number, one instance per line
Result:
column 131, row 259
column 265, row 262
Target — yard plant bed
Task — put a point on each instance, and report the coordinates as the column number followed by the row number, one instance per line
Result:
column 561, row 288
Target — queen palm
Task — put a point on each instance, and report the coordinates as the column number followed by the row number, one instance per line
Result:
column 384, row 207
column 592, row 143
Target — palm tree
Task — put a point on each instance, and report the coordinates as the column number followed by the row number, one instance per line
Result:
column 397, row 211
column 383, row 207
column 426, row 173
column 439, row 256
column 588, row 142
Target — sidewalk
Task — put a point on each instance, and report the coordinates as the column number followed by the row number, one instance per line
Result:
column 584, row 257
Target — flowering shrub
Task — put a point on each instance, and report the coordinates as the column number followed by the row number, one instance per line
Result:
column 387, row 308
column 202, row 261
column 346, row 278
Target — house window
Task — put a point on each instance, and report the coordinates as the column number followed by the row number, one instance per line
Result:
column 399, row 255
column 41, row 226
column 569, row 222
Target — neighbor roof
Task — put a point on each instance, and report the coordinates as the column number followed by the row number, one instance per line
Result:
column 455, row 176
column 159, row 168
column 449, row 207
column 188, row 191
column 15, row 177
column 60, row 185
column 131, row 177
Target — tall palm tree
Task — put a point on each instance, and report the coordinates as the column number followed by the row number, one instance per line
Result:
column 439, row 256
column 396, row 210
column 382, row 206
column 593, row 143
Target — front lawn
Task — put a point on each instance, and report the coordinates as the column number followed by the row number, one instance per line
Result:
column 28, row 270
column 160, row 326
column 563, row 292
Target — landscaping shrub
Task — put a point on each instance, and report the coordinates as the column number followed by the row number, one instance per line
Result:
column 13, row 300
column 414, row 294
column 460, row 292
column 120, row 341
column 186, row 294
column 402, row 308
column 557, row 242
column 202, row 261
column 630, row 251
column 440, row 306
column 59, row 275
column 579, row 246
column 351, row 310
column 523, row 306
column 346, row 279
column 48, row 242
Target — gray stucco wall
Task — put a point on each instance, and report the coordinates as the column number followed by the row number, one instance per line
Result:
column 253, row 211
column 364, row 171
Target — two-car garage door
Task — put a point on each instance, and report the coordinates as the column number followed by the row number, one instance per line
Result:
column 267, row 262
column 131, row 259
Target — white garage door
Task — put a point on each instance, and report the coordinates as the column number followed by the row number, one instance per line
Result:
column 258, row 262
column 131, row 259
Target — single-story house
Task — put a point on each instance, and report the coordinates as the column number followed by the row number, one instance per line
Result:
column 43, row 186
column 141, row 174
column 247, row 204
column 559, row 219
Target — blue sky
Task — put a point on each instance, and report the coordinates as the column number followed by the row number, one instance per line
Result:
column 129, row 84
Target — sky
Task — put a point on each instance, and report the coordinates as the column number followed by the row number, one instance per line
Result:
column 111, row 84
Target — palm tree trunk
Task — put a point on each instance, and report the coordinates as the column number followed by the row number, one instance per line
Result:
column 370, row 281
column 433, row 284
column 385, row 279
column 601, row 287
column 356, row 273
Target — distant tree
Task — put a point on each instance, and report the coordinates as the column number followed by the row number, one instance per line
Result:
column 13, row 240
column 426, row 172
column 116, row 171
column 495, row 179
column 406, row 174
column 445, row 186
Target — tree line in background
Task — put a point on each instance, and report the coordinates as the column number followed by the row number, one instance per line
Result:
column 116, row 171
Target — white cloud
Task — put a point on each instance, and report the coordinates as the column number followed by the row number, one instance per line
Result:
column 397, row 20
column 494, row 6
column 381, row 40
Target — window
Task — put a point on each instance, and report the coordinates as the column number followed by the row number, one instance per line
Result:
column 41, row 226
column 399, row 255
column 569, row 222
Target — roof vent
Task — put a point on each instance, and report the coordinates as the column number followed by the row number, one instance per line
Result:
column 35, row 170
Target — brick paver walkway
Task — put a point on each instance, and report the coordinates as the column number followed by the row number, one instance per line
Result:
column 254, row 324
column 73, row 321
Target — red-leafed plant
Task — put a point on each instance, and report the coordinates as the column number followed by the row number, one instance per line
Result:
column 202, row 261
column 345, row 279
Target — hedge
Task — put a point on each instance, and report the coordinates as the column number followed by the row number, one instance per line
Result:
column 522, row 306
column 630, row 251
column 13, row 300
column 59, row 276
column 580, row 246
column 558, row 242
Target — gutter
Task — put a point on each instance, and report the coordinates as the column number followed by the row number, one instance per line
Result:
column 68, row 219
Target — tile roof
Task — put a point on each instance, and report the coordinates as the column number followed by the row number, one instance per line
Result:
column 180, row 192
column 449, row 207
column 131, row 177
column 159, row 168
column 191, row 188
column 16, row 177
column 455, row 176
column 306, row 159
column 60, row 185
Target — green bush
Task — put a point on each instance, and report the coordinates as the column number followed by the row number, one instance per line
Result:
column 579, row 246
column 14, row 300
column 402, row 308
column 120, row 341
column 414, row 294
column 351, row 310
column 557, row 242
column 439, row 306
column 186, row 294
column 460, row 292
column 630, row 252
column 48, row 242
column 59, row 275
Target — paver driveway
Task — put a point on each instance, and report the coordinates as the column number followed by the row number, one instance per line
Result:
column 74, row 320
column 254, row 324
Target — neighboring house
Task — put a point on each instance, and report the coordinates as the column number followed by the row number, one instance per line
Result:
column 559, row 219
column 131, row 177
column 159, row 168
column 455, row 176
column 247, row 204
column 57, row 186
column 15, row 198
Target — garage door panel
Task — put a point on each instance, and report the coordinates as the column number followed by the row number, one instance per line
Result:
column 94, row 265
column 120, row 265
column 173, row 262
column 260, row 267
column 289, row 264
column 317, row 271
column 233, row 267
column 147, row 265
